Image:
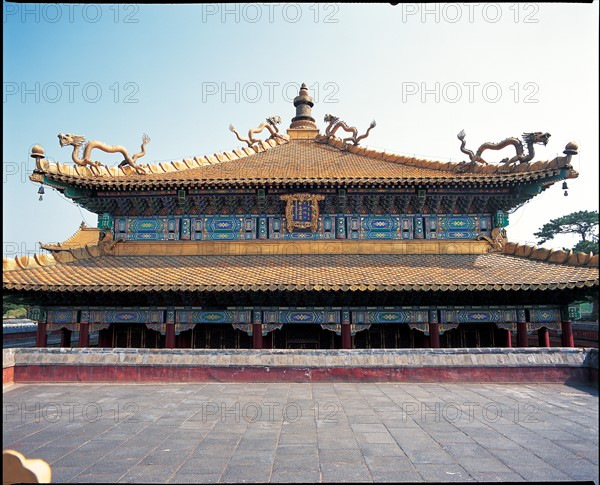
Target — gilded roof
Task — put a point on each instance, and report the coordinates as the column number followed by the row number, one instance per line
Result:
column 280, row 162
column 84, row 236
column 314, row 272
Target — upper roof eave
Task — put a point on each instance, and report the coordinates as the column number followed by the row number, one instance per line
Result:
column 282, row 162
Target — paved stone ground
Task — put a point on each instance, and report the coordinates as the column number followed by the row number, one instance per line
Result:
column 287, row 432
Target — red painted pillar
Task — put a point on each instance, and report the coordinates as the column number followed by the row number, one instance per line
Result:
column 65, row 337
column 567, row 334
column 41, row 337
column 257, row 336
column 84, row 334
column 508, row 338
column 543, row 337
column 346, row 336
column 522, row 334
column 170, row 336
column 434, row 335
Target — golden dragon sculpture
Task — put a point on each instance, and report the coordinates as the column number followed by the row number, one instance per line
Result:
column 497, row 241
column 335, row 124
column 529, row 138
column 270, row 124
column 77, row 141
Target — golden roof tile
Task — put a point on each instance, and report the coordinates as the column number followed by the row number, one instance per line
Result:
column 84, row 236
column 283, row 162
column 315, row 272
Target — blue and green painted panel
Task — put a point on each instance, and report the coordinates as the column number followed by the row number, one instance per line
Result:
column 126, row 316
column 249, row 227
column 459, row 226
column 147, row 228
column 301, row 316
column 539, row 315
column 375, row 227
column 207, row 316
column 62, row 316
column 277, row 229
column 391, row 316
column 478, row 315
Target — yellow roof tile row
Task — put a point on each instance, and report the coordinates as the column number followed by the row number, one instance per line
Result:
column 302, row 272
column 301, row 161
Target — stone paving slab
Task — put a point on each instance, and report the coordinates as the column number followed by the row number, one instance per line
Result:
column 306, row 432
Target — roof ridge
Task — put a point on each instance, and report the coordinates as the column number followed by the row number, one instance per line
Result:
column 66, row 244
column 68, row 255
column 83, row 172
column 553, row 255
column 459, row 167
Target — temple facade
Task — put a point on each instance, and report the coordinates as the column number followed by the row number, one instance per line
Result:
column 301, row 240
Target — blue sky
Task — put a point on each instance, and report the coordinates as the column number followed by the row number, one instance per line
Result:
column 183, row 73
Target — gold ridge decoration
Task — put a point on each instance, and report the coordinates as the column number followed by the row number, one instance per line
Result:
column 335, row 123
column 76, row 141
column 307, row 205
column 529, row 138
column 497, row 241
column 270, row 124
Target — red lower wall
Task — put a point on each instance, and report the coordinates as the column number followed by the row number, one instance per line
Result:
column 141, row 374
column 8, row 375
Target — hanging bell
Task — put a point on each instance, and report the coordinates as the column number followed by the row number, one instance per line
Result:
column 41, row 190
column 565, row 187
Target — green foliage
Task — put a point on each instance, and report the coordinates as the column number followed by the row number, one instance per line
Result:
column 13, row 307
column 586, row 247
column 582, row 223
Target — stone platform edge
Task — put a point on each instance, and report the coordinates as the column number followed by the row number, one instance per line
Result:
column 558, row 364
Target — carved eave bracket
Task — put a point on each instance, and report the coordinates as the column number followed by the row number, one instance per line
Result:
column 302, row 211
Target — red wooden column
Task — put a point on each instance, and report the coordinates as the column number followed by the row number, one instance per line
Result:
column 257, row 338
column 41, row 337
column 434, row 335
column 567, row 333
column 346, row 330
column 522, row 339
column 346, row 336
column 543, row 337
column 84, row 334
column 508, row 341
column 170, row 336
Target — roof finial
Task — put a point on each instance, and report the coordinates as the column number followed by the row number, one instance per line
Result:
column 303, row 103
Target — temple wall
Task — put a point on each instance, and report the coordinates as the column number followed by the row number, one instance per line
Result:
column 501, row 365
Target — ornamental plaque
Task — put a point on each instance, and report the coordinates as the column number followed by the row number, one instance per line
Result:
column 302, row 211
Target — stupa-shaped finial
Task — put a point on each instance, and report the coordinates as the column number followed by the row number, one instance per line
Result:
column 303, row 103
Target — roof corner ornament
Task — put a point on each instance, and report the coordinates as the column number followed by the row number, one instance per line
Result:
column 335, row 124
column 497, row 241
column 106, row 243
column 270, row 124
column 76, row 141
column 530, row 140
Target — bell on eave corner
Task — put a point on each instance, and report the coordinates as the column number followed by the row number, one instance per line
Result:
column 41, row 192
column 565, row 187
